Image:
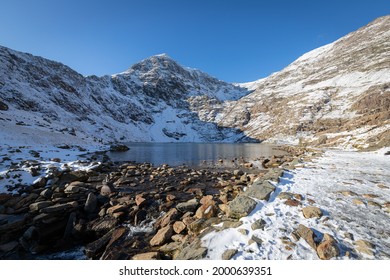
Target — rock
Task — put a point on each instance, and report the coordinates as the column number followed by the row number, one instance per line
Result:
column 348, row 193
column 72, row 189
column 58, row 208
column 240, row 207
column 307, row 234
column 243, row 231
column 46, row 193
column 194, row 251
column 231, row 224
column 40, row 182
column 328, row 249
column 257, row 239
column 258, row 224
column 40, row 205
column 228, row 254
column 285, row 195
column 207, row 200
column 104, row 225
column 168, row 218
column 364, row 246
column 206, row 211
column 10, row 223
column 90, row 203
column 312, row 212
column 374, row 204
column 292, row 202
column 116, row 209
column 78, row 175
column 95, row 249
column 140, row 216
column 170, row 247
column 147, row 256
column 238, row 172
column 162, row 236
column 260, row 190
column 119, row 148
column 370, row 195
column 357, row 201
column 179, row 226
column 188, row 206
column 188, row 220
column 139, row 200
column 106, row 190
column 3, row 106
column 349, row 235
column 170, row 197
column 7, row 247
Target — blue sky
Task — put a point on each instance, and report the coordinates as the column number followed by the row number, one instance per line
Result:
column 233, row 40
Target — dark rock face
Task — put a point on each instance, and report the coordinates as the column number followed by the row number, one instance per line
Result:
column 3, row 106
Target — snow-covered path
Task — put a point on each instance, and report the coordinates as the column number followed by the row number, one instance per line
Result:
column 352, row 190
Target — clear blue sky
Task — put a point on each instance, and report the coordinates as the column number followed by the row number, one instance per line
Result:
column 233, row 40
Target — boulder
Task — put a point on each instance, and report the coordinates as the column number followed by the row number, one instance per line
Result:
column 46, row 193
column 168, row 218
column 364, row 246
column 119, row 148
column 147, row 256
column 95, row 249
column 328, row 249
column 40, row 205
column 3, row 106
column 40, row 182
column 312, row 212
column 162, row 236
column 206, row 211
column 188, row 206
column 116, row 209
column 228, row 254
column 260, row 190
column 292, row 202
column 139, row 200
column 90, row 203
column 258, row 224
column 106, row 190
column 240, row 207
column 179, row 226
column 193, row 251
column 307, row 234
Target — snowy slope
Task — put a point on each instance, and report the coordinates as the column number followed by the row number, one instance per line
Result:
column 336, row 95
column 45, row 101
column 353, row 197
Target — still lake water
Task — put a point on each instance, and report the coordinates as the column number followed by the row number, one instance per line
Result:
column 193, row 154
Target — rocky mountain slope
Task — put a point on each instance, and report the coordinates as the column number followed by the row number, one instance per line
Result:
column 45, row 101
column 337, row 95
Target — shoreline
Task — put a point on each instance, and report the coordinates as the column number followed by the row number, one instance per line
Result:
column 170, row 212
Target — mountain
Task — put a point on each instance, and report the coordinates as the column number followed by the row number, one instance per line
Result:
column 154, row 100
column 336, row 95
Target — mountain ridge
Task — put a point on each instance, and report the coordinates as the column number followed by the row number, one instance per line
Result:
column 335, row 95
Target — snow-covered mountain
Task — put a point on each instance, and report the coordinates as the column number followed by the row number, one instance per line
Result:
column 336, row 95
column 154, row 100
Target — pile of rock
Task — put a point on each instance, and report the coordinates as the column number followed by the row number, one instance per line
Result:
column 99, row 209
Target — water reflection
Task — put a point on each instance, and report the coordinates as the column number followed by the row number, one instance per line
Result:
column 192, row 154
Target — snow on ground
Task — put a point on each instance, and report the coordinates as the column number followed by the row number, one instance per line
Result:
column 367, row 178
column 17, row 163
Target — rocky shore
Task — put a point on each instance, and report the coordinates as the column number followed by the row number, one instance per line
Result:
column 132, row 211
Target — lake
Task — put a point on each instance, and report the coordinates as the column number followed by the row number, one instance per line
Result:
column 194, row 154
